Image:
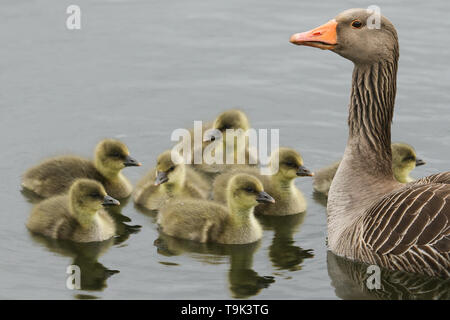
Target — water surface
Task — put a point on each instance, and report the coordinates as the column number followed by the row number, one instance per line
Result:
column 139, row 69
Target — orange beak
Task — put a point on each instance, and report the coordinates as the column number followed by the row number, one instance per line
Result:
column 323, row 37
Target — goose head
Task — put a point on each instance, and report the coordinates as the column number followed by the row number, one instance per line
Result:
column 169, row 169
column 290, row 164
column 355, row 35
column 230, row 119
column 404, row 160
column 88, row 196
column 111, row 156
column 246, row 191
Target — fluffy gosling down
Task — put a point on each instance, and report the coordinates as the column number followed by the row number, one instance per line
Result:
column 208, row 221
column 229, row 120
column 404, row 160
column 55, row 176
column 280, row 185
column 169, row 180
column 77, row 216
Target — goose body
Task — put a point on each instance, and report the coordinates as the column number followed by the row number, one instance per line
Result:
column 372, row 217
column 280, row 185
column 167, row 181
column 77, row 216
column 55, row 175
column 208, row 221
column 404, row 160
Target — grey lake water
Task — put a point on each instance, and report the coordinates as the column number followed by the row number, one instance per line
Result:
column 137, row 70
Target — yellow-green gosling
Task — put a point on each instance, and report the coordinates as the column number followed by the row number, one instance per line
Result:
column 77, row 216
column 229, row 120
column 404, row 160
column 209, row 221
column 168, row 180
column 280, row 185
column 55, row 176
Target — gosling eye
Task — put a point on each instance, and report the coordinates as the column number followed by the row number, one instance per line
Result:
column 171, row 169
column 407, row 159
column 356, row 24
column 95, row 195
column 115, row 155
column 291, row 164
column 250, row 190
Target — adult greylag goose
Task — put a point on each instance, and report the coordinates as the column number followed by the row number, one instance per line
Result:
column 404, row 160
column 372, row 217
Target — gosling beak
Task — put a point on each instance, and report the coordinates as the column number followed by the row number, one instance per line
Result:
column 265, row 197
column 303, row 172
column 161, row 177
column 419, row 162
column 323, row 37
column 131, row 162
column 110, row 201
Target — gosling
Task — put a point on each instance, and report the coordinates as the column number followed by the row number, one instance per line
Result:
column 77, row 216
column 170, row 178
column 55, row 176
column 404, row 160
column 280, row 184
column 216, row 142
column 208, row 221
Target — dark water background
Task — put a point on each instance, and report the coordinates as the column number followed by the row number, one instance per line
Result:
column 139, row 69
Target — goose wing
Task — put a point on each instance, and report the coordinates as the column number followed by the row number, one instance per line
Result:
column 415, row 218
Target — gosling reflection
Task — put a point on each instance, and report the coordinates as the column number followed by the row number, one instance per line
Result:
column 244, row 282
column 349, row 280
column 123, row 229
column 85, row 255
column 282, row 252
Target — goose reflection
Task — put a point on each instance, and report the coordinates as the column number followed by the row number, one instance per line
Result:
column 349, row 280
column 85, row 255
column 244, row 282
column 282, row 252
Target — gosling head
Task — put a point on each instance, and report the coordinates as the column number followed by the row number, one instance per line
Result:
column 355, row 35
column 290, row 164
column 230, row 119
column 246, row 191
column 404, row 160
column 169, row 168
column 88, row 196
column 111, row 156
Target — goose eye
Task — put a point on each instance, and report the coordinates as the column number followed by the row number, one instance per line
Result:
column 250, row 190
column 409, row 159
column 95, row 195
column 356, row 24
column 290, row 164
column 171, row 169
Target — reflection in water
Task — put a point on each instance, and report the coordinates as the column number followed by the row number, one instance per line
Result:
column 349, row 280
column 320, row 198
column 244, row 281
column 86, row 255
column 283, row 253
